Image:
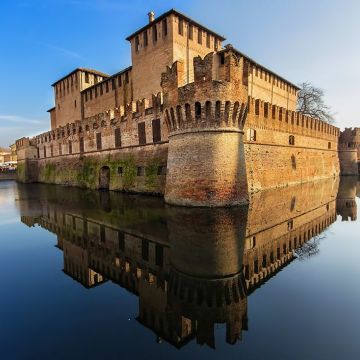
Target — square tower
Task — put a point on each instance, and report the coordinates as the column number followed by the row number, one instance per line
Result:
column 170, row 37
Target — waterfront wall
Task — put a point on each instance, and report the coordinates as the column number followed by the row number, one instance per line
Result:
column 203, row 144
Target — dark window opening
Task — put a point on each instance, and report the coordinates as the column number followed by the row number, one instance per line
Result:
column 154, row 34
column 191, row 32
column 140, row 171
column 117, row 138
column 145, row 38
column 121, row 240
column 145, row 249
column 197, row 110
column 161, row 170
column 120, row 171
column 141, row 133
column 208, row 40
column 81, row 142
column 200, row 36
column 159, row 255
column 181, row 26
column 164, row 27
column 291, row 140
column 156, row 130
column 98, row 141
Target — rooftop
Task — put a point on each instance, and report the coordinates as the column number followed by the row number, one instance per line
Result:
column 178, row 13
column 91, row 71
column 230, row 47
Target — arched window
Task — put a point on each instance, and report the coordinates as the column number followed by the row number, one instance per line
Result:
column 291, row 140
column 197, row 111
column 218, row 110
column 208, row 109
column 251, row 134
column 188, row 112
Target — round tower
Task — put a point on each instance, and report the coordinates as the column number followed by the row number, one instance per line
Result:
column 206, row 161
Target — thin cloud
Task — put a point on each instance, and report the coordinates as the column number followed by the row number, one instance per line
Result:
column 63, row 51
column 18, row 119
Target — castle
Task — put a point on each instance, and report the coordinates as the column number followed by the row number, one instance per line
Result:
column 201, row 123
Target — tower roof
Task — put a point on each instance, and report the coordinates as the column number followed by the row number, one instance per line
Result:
column 179, row 14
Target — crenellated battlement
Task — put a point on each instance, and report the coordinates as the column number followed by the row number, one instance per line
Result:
column 273, row 117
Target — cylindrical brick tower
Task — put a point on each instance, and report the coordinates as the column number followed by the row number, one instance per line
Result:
column 206, row 161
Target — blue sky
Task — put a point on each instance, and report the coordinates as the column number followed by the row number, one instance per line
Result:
column 42, row 40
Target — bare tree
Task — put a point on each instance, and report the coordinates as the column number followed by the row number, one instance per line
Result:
column 309, row 248
column 311, row 103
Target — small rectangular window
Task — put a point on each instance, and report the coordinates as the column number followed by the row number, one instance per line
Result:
column 208, row 40
column 159, row 255
column 119, row 81
column 181, row 26
column 127, row 77
column 145, row 249
column 191, row 32
column 164, row 27
column 154, row 34
column 137, row 43
column 141, row 133
column 145, row 38
column 140, row 171
column 81, row 145
column 156, row 130
column 117, row 138
column 200, row 36
column 98, row 141
column 120, row 171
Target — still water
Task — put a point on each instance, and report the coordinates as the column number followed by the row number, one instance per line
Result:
column 99, row 275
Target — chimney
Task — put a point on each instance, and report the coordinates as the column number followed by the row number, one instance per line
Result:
column 151, row 16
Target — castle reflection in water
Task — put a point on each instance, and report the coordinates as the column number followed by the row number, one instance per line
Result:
column 191, row 268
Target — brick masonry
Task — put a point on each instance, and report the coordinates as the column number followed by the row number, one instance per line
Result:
column 211, row 130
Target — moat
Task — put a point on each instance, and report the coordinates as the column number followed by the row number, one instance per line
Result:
column 92, row 274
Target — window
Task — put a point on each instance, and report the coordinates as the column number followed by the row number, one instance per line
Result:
column 290, row 225
column 140, row 171
column 113, row 84
column 159, row 255
column 329, row 145
column 127, row 77
column 70, row 147
column 75, row 103
column 87, row 78
column 119, row 81
column 81, row 145
column 208, row 40
column 117, row 138
column 98, row 141
column 107, row 86
column 137, row 43
column 121, row 240
column 181, row 26
column 191, row 32
column 251, row 134
column 164, row 27
column 141, row 133
column 291, row 140
column 154, row 34
column 120, row 171
column 145, row 38
column 145, row 249
column 197, row 111
column 200, row 36
column 101, row 89
column 156, row 130
column 161, row 170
